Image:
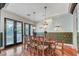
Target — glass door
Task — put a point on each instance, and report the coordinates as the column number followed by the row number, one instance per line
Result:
column 31, row 30
column 19, row 36
column 26, row 29
column 9, row 32
column 13, row 33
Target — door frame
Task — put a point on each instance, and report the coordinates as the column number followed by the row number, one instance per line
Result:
column 14, row 32
column 25, row 27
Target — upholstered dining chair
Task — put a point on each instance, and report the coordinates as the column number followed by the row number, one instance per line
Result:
column 54, row 47
column 59, row 49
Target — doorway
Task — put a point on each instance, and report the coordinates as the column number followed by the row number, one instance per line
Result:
column 13, row 32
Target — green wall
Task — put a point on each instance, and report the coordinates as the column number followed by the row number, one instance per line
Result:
column 40, row 33
column 78, row 39
column 1, row 39
column 59, row 36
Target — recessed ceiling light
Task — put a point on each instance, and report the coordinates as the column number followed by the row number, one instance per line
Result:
column 28, row 14
column 34, row 12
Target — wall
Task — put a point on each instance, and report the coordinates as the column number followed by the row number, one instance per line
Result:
column 11, row 16
column 78, row 26
column 75, row 28
column 64, row 33
column 66, row 37
column 64, row 20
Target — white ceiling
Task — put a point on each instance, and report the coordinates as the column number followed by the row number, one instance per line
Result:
column 23, row 9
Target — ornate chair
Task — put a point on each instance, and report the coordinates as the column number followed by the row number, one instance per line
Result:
column 50, row 50
column 59, row 49
column 40, row 47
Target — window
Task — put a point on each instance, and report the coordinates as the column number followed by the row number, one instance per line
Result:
column 26, row 30
column 31, row 30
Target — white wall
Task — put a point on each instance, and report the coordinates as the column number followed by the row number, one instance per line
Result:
column 78, row 16
column 75, row 28
column 64, row 20
column 11, row 16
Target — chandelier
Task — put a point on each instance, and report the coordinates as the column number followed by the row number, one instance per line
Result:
column 34, row 28
column 45, row 23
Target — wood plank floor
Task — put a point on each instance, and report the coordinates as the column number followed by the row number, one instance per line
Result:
column 15, row 51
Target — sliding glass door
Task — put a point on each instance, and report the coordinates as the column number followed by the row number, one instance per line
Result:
column 13, row 33
column 26, row 29
column 19, row 32
column 9, row 32
column 31, row 30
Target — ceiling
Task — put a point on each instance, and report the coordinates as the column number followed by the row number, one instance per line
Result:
column 24, row 9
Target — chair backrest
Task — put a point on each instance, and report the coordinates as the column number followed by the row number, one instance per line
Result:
column 59, row 51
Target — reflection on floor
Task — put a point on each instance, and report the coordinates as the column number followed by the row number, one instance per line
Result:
column 16, row 51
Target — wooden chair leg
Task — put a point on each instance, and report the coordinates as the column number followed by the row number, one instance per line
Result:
column 0, row 51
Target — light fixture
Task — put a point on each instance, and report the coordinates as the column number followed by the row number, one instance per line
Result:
column 45, row 24
column 28, row 14
column 34, row 27
column 34, row 14
column 58, row 28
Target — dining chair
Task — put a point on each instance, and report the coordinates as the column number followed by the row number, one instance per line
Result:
column 40, row 47
column 59, row 48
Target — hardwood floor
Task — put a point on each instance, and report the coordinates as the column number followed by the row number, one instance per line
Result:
column 18, row 51
column 15, row 51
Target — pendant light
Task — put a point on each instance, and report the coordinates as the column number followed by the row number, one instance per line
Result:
column 45, row 21
column 34, row 28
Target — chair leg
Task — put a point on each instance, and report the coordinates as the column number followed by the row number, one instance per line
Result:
column 0, row 51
